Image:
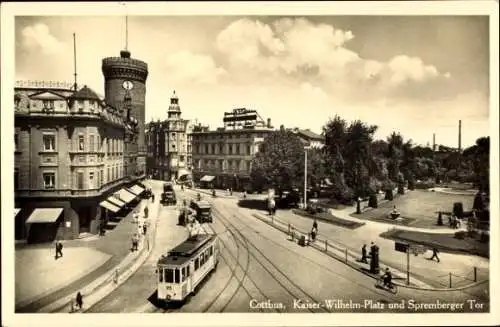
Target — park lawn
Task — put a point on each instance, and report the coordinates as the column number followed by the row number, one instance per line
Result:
column 418, row 208
column 329, row 218
column 443, row 242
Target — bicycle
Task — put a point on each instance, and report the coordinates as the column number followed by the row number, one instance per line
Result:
column 393, row 288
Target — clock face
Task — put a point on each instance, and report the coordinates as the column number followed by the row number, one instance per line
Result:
column 128, row 85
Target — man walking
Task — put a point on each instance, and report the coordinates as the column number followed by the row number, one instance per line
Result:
column 435, row 254
column 79, row 300
column 59, row 248
column 364, row 257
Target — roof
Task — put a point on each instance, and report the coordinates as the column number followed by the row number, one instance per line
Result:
column 202, row 203
column 183, row 252
column 310, row 135
column 85, row 93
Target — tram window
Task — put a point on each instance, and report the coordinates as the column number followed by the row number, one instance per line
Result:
column 187, row 271
column 177, row 277
column 208, row 253
column 202, row 259
column 183, row 277
column 211, row 250
column 169, row 276
column 160, row 274
column 196, row 264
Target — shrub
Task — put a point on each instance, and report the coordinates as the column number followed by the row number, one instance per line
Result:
column 388, row 195
column 401, row 189
column 424, row 185
column 373, row 201
column 458, row 209
column 460, row 235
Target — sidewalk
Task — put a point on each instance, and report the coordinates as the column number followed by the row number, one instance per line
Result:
column 78, row 255
column 424, row 273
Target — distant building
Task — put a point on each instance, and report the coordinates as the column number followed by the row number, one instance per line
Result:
column 169, row 145
column 309, row 138
column 69, row 158
column 223, row 157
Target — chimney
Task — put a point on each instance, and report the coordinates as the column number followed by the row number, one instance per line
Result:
column 459, row 136
column 269, row 122
column 434, row 142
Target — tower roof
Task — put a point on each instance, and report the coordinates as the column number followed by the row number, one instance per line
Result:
column 174, row 96
column 85, row 93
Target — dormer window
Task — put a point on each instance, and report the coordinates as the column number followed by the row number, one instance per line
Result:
column 48, row 104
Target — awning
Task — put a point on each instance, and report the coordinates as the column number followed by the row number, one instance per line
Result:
column 16, row 211
column 44, row 215
column 109, row 206
column 136, row 189
column 125, row 196
column 115, row 201
column 207, row 178
column 183, row 172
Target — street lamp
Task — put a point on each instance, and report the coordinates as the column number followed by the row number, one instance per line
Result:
column 307, row 147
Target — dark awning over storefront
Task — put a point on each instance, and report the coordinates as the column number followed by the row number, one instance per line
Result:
column 136, row 189
column 44, row 215
column 207, row 178
column 115, row 201
column 109, row 206
column 125, row 196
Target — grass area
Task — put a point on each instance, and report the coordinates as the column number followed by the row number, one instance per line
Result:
column 418, row 208
column 327, row 217
column 443, row 242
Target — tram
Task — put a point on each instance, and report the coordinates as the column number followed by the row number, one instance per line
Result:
column 186, row 266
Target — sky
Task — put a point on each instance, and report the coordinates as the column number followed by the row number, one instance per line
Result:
column 415, row 75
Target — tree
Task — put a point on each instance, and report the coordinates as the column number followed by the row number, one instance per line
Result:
column 280, row 161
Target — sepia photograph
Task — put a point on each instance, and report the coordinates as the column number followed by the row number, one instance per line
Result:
column 249, row 159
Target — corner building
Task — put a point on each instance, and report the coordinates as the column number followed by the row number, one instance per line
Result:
column 222, row 158
column 169, row 145
column 69, row 158
column 124, row 75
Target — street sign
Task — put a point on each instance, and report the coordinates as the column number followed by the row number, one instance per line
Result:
column 401, row 247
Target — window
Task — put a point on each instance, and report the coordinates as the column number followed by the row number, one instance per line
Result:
column 173, row 136
column 48, row 104
column 211, row 250
column 206, row 148
column 249, row 149
column 49, row 180
column 196, row 264
column 177, row 276
column 91, row 179
column 169, row 275
column 79, row 180
column 181, row 158
column 98, row 143
column 16, row 141
column 213, row 148
column 160, row 275
column 202, row 259
column 49, row 142
column 229, row 164
column 16, row 178
column 187, row 271
column 91, row 143
column 183, row 275
column 81, row 143
column 107, row 146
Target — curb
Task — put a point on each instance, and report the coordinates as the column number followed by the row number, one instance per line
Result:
column 356, row 267
column 127, row 267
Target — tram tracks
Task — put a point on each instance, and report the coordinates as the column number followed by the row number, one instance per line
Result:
column 370, row 289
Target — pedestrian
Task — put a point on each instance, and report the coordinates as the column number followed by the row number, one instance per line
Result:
column 134, row 242
column 315, row 225
column 79, row 300
column 60, row 249
column 231, row 191
column 313, row 234
column 152, row 197
column 57, row 251
column 364, row 257
column 146, row 212
column 144, row 228
column 435, row 254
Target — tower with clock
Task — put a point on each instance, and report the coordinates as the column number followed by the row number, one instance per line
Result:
column 125, row 75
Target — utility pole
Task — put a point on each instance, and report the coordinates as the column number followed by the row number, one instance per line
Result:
column 74, row 61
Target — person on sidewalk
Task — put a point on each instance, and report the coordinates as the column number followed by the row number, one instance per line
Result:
column 144, row 228
column 364, row 256
column 59, row 248
column 315, row 225
column 435, row 254
column 79, row 300
column 134, row 242
column 152, row 197
column 146, row 211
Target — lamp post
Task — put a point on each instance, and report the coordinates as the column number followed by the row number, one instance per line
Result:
column 305, row 176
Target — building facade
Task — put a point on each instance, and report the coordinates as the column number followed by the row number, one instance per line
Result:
column 169, row 145
column 223, row 158
column 69, row 157
column 125, row 75
column 309, row 138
